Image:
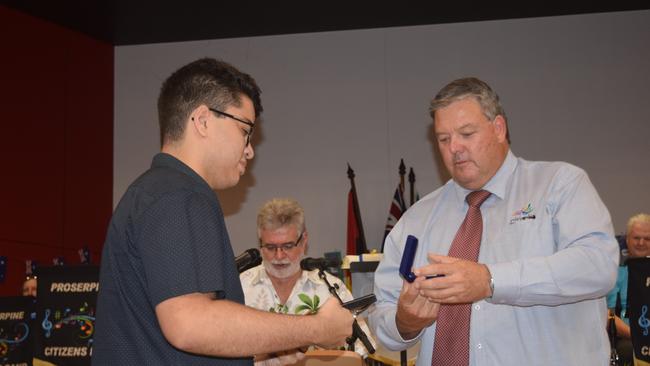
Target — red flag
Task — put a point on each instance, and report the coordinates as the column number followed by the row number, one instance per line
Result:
column 356, row 243
column 356, row 240
column 353, row 228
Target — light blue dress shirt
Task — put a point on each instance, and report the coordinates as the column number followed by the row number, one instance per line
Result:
column 549, row 245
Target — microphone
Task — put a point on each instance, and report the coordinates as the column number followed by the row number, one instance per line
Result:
column 309, row 264
column 248, row 259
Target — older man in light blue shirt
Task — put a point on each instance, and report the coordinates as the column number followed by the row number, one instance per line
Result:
column 547, row 254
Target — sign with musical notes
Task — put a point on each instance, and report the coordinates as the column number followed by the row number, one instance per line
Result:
column 67, row 297
column 638, row 297
column 16, row 330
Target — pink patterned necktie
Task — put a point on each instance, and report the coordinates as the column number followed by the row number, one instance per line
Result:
column 451, row 346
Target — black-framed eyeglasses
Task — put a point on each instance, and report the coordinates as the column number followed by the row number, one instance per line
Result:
column 273, row 248
column 249, row 132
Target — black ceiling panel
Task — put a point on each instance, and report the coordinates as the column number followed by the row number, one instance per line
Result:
column 122, row 22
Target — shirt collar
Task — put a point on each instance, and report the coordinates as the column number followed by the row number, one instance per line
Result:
column 164, row 160
column 497, row 184
column 260, row 275
column 312, row 276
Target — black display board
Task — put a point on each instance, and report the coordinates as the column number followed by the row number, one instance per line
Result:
column 638, row 298
column 67, row 298
column 16, row 330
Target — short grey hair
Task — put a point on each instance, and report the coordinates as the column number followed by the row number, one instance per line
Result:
column 470, row 87
column 280, row 212
column 642, row 218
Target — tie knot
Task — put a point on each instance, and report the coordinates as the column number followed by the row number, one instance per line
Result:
column 476, row 198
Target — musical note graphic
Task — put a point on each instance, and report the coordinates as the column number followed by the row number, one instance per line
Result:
column 84, row 322
column 21, row 331
column 47, row 324
column 643, row 321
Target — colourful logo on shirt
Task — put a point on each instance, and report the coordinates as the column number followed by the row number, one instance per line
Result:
column 525, row 213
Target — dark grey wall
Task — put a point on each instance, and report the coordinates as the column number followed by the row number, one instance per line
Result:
column 575, row 88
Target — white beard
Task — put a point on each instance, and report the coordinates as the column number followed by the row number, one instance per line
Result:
column 282, row 273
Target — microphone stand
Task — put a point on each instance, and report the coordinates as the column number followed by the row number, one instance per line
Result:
column 357, row 332
column 614, row 359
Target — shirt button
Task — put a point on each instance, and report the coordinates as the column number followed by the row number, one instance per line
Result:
column 479, row 346
column 477, row 307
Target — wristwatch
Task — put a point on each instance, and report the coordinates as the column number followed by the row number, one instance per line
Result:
column 491, row 287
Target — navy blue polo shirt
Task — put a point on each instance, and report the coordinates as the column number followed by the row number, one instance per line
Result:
column 167, row 238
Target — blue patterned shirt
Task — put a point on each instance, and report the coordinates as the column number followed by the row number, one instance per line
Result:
column 620, row 289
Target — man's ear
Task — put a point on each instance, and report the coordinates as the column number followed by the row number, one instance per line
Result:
column 500, row 128
column 199, row 120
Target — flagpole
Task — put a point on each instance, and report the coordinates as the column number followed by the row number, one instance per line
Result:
column 402, row 171
column 357, row 212
column 398, row 204
column 412, row 183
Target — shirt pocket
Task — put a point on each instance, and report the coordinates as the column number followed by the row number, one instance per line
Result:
column 523, row 238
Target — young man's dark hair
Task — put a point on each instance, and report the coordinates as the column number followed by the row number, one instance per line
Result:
column 217, row 84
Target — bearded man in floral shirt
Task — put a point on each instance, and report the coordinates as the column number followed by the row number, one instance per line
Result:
column 279, row 284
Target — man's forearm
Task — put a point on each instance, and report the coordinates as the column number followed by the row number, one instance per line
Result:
column 198, row 324
column 622, row 329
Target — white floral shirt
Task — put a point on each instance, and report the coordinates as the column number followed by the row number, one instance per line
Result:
column 308, row 294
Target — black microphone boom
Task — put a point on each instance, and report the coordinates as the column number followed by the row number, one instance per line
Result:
column 310, row 264
column 248, row 259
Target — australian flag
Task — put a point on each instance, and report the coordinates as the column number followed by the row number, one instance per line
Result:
column 397, row 208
